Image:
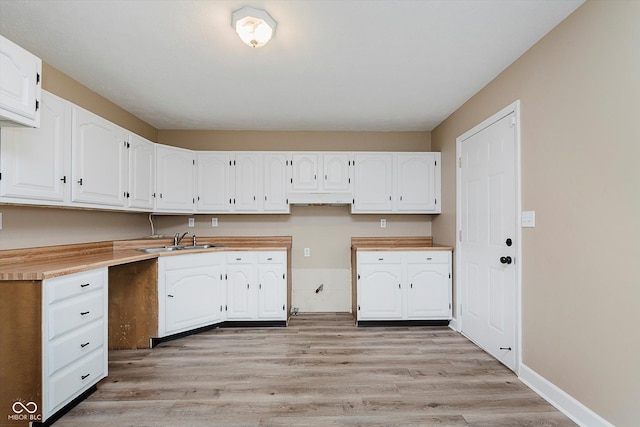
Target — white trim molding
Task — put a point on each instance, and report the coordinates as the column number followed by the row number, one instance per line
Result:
column 563, row 401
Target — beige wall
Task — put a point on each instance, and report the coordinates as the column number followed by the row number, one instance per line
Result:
column 325, row 230
column 579, row 89
column 65, row 87
column 296, row 141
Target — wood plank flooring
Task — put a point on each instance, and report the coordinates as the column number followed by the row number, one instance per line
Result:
column 319, row 371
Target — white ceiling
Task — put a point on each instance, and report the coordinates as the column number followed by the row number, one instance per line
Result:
column 333, row 65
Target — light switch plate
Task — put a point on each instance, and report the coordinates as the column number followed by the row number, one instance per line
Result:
column 383, row 223
column 307, row 252
column 214, row 222
column 528, row 219
column 192, row 222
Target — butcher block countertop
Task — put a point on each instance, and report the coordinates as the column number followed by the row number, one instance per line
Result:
column 396, row 244
column 52, row 261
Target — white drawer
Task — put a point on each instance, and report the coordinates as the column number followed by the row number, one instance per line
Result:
column 73, row 313
column 77, row 378
column 272, row 257
column 241, row 257
column 71, row 285
column 75, row 345
column 379, row 257
column 429, row 257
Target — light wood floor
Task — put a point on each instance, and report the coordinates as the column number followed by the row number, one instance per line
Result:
column 319, row 371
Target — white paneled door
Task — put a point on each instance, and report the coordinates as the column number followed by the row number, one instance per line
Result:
column 487, row 220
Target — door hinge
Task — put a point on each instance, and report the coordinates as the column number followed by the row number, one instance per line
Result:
column 460, row 162
column 460, row 235
column 37, row 105
column 513, row 123
column 449, row 306
column 449, row 278
column 283, row 309
column 358, row 307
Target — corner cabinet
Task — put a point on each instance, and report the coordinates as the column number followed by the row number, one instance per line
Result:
column 403, row 285
column 190, row 292
column 20, row 86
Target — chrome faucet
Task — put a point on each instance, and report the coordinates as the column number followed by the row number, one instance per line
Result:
column 194, row 240
column 177, row 238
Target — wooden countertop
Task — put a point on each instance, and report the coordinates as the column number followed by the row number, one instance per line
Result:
column 52, row 261
column 396, row 244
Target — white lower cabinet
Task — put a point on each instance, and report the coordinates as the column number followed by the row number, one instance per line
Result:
column 256, row 286
column 403, row 285
column 190, row 292
column 74, row 336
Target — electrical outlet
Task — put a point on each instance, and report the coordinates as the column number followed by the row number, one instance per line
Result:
column 307, row 252
column 214, row 222
column 192, row 222
column 383, row 223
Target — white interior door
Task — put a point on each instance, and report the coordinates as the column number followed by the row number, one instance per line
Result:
column 488, row 237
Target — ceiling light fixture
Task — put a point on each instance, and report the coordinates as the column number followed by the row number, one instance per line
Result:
column 254, row 26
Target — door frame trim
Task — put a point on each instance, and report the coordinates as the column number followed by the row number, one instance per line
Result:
column 511, row 108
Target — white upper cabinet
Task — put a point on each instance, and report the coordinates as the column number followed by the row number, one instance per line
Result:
column 276, row 182
column 373, row 182
column 99, row 153
column 397, row 183
column 142, row 169
column 248, row 182
column 418, row 182
column 36, row 163
column 305, row 171
column 320, row 177
column 20, row 86
column 214, row 181
column 174, row 179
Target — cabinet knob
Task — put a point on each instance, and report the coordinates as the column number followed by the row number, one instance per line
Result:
column 84, row 285
column 505, row 260
column 80, row 181
column 64, row 179
column 84, row 345
column 84, row 313
column 170, row 296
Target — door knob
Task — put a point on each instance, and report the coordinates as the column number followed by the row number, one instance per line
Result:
column 505, row 260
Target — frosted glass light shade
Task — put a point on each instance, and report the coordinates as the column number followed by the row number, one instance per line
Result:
column 255, row 27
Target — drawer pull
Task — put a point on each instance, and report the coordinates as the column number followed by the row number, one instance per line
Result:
column 429, row 259
column 380, row 259
column 84, row 313
column 269, row 259
column 85, row 285
column 84, row 377
column 170, row 296
column 238, row 259
column 84, row 345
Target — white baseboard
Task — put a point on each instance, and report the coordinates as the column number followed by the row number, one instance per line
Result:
column 453, row 324
column 564, row 402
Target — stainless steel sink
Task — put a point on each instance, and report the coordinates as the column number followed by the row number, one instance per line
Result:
column 175, row 248
column 198, row 247
column 162, row 249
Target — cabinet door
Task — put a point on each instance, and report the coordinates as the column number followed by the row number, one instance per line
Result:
column 214, row 182
column 305, row 172
column 192, row 298
column 275, row 183
column 248, row 182
column 336, row 168
column 241, row 289
column 174, row 179
column 373, row 182
column 429, row 292
column 20, row 85
column 416, row 182
column 379, row 292
column 272, row 288
column 36, row 163
column 142, row 173
column 99, row 160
